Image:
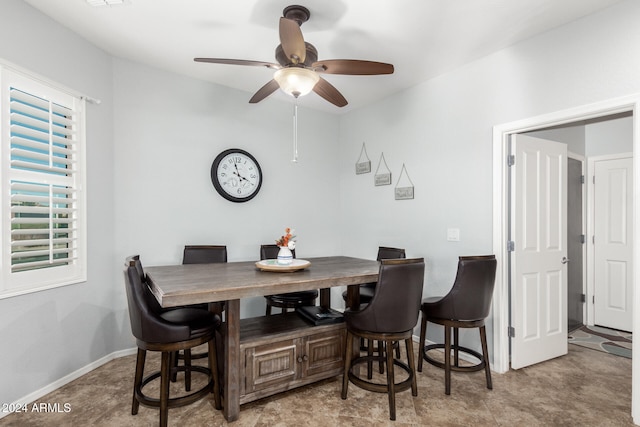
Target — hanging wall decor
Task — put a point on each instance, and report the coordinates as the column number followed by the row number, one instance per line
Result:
column 404, row 192
column 363, row 165
column 382, row 177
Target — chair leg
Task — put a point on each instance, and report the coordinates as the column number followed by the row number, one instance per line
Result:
column 370, row 361
column 412, row 366
column 485, row 356
column 174, row 365
column 423, row 335
column 447, row 360
column 165, row 372
column 213, row 366
column 391, row 380
column 397, row 350
column 268, row 309
column 187, row 369
column 347, row 364
column 380, row 354
column 137, row 381
column 456, row 353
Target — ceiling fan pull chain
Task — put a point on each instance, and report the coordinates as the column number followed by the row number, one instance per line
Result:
column 295, row 131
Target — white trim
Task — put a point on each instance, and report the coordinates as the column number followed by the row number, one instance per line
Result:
column 43, row 80
column 32, row 397
column 501, row 135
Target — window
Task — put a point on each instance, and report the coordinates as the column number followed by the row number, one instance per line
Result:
column 42, row 212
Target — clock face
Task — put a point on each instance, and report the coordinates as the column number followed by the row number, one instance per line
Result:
column 236, row 175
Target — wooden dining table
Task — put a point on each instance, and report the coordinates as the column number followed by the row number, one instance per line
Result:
column 177, row 285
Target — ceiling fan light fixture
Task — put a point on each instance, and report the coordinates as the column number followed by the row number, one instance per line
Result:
column 296, row 81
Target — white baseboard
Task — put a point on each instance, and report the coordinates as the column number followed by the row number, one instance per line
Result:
column 32, row 397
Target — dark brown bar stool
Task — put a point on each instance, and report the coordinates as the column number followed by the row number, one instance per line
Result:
column 368, row 289
column 366, row 295
column 465, row 306
column 390, row 317
column 206, row 254
column 167, row 331
column 291, row 300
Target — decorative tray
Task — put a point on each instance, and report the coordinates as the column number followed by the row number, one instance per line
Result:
column 272, row 265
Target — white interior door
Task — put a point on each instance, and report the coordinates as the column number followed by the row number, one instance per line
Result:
column 538, row 231
column 613, row 249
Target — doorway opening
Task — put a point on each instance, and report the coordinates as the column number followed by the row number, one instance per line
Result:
column 501, row 137
column 599, row 280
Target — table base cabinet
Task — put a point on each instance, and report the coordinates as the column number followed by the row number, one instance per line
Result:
column 282, row 352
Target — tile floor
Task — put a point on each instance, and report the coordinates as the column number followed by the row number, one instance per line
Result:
column 583, row 388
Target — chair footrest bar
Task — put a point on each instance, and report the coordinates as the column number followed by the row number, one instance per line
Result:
column 455, row 366
column 379, row 387
column 175, row 402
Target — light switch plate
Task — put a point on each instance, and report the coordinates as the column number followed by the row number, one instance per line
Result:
column 453, row 234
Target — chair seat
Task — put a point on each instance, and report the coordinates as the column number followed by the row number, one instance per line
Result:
column 366, row 294
column 199, row 321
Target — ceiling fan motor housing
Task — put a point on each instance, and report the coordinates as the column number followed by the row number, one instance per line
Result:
column 311, row 55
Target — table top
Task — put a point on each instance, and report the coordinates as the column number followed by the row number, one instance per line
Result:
column 186, row 284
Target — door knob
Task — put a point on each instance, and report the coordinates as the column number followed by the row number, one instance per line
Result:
column 565, row 260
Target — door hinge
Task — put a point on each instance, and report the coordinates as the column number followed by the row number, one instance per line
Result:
column 593, row 299
column 583, row 239
column 512, row 332
column 581, row 179
column 583, row 298
column 511, row 246
column 511, row 159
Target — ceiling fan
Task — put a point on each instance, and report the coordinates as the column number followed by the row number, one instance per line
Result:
column 298, row 69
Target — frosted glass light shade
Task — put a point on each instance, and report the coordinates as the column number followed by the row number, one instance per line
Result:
column 296, row 81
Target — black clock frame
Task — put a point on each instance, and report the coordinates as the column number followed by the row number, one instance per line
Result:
column 218, row 186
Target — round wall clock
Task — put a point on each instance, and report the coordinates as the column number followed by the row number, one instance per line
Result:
column 236, row 175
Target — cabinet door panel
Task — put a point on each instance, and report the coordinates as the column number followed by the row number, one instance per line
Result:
column 324, row 351
column 270, row 364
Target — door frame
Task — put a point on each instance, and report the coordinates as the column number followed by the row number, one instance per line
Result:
column 585, row 231
column 501, row 134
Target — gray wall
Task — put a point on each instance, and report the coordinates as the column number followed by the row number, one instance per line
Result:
column 442, row 131
column 152, row 140
column 609, row 137
column 46, row 335
column 169, row 129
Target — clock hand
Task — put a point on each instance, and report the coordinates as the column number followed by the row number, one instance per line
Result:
column 243, row 178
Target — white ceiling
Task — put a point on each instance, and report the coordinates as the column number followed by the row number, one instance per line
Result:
column 422, row 38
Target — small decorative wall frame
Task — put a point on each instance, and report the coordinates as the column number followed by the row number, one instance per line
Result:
column 382, row 178
column 363, row 165
column 406, row 191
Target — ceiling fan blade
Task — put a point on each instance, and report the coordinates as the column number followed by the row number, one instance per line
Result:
column 239, row 62
column 292, row 41
column 264, row 91
column 352, row 67
column 330, row 93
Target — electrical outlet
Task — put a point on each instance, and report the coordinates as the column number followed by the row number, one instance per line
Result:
column 453, row 234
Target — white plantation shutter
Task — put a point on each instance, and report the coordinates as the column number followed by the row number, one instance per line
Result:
column 43, row 208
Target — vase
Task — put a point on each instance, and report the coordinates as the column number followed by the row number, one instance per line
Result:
column 285, row 257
